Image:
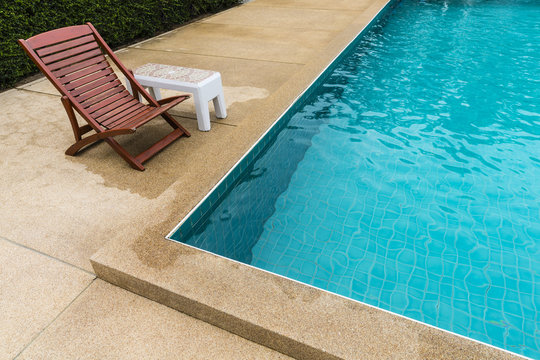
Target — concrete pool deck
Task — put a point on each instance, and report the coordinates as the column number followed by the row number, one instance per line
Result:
column 58, row 212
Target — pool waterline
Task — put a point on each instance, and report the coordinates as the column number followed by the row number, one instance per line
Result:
column 226, row 183
column 200, row 209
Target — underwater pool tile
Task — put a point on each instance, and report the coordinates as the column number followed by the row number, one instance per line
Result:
column 380, row 196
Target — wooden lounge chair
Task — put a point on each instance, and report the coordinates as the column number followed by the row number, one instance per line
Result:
column 73, row 59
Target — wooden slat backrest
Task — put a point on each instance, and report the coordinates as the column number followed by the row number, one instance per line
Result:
column 57, row 36
column 73, row 59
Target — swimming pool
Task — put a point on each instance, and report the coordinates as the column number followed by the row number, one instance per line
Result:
column 405, row 177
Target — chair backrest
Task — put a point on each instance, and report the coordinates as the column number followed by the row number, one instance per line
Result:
column 73, row 59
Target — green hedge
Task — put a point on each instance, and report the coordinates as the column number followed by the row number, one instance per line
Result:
column 118, row 21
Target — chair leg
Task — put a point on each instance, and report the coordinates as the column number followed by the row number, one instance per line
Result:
column 160, row 145
column 73, row 149
column 134, row 163
column 174, row 123
column 72, row 118
column 155, row 92
column 131, row 160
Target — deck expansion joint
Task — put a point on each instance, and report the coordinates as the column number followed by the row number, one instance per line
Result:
column 37, row 91
column 48, row 256
column 35, row 337
column 216, row 56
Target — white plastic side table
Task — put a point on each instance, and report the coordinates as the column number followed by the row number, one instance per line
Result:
column 205, row 85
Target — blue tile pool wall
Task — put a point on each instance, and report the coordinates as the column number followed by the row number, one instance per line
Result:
column 270, row 173
column 242, row 172
column 408, row 177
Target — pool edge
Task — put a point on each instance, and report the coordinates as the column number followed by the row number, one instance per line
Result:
column 164, row 287
column 212, row 198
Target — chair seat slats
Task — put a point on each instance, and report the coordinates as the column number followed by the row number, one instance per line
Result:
column 84, row 72
column 142, row 119
column 125, row 109
column 75, row 59
column 114, row 108
column 136, row 121
column 79, row 66
column 77, row 84
column 133, row 120
column 124, row 115
column 102, row 96
column 97, row 91
column 102, row 81
column 107, row 101
column 66, row 54
column 65, row 45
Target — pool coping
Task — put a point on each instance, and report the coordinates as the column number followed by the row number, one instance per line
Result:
column 280, row 313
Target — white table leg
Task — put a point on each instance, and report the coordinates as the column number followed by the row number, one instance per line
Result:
column 155, row 92
column 128, row 86
column 220, row 106
column 203, row 113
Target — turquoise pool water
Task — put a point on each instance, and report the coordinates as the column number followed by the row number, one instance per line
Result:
column 409, row 178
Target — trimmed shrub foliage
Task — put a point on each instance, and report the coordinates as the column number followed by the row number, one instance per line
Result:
column 118, row 21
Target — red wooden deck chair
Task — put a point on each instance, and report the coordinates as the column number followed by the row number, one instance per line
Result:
column 73, row 59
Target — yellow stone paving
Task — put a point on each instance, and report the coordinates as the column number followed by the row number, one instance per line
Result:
column 34, row 289
column 106, row 322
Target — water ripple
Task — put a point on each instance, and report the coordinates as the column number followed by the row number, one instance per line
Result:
column 409, row 180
